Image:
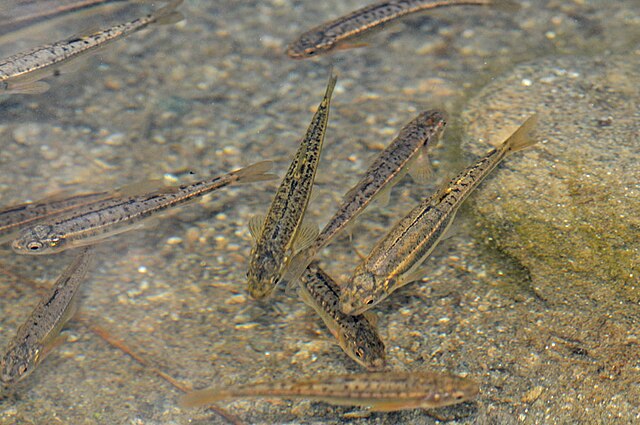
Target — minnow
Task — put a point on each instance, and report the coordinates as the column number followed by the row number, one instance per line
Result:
column 396, row 259
column 20, row 73
column 16, row 217
column 282, row 233
column 40, row 333
column 328, row 35
column 355, row 334
column 406, row 153
column 84, row 226
column 27, row 13
column 381, row 391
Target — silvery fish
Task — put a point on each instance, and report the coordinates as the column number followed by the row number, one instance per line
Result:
column 406, row 153
column 356, row 335
column 21, row 73
column 328, row 35
column 282, row 233
column 85, row 226
column 17, row 217
column 40, row 333
column 396, row 259
column 381, row 391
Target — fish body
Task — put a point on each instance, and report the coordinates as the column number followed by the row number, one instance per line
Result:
column 16, row 217
column 20, row 73
column 392, row 263
column 276, row 234
column 382, row 391
column 35, row 337
column 84, row 226
column 327, row 35
column 355, row 334
column 388, row 167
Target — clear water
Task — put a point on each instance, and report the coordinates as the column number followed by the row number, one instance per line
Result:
column 216, row 92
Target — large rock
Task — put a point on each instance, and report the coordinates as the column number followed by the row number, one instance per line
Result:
column 568, row 209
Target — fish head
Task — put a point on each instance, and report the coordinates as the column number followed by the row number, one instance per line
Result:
column 308, row 45
column 18, row 363
column 40, row 239
column 263, row 275
column 363, row 291
column 367, row 349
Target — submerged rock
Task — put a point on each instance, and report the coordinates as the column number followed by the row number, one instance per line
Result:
column 568, row 209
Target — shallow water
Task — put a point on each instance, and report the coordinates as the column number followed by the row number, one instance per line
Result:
column 216, row 92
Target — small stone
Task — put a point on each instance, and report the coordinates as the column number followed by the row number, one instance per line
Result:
column 532, row 395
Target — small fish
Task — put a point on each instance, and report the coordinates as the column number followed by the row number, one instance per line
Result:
column 381, row 391
column 355, row 334
column 16, row 217
column 21, row 73
column 326, row 36
column 282, row 233
column 396, row 259
column 85, row 226
column 40, row 333
column 406, row 153
column 20, row 15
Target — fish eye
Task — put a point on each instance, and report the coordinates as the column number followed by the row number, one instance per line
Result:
column 22, row 369
column 359, row 352
column 458, row 396
column 34, row 246
column 368, row 301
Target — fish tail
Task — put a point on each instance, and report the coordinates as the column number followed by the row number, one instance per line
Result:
column 168, row 14
column 522, row 138
column 255, row 172
column 333, row 79
column 204, row 397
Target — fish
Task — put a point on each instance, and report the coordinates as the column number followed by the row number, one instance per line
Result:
column 25, row 14
column 86, row 226
column 396, row 259
column 21, row 73
column 355, row 334
column 406, row 153
column 381, row 391
column 282, row 232
column 40, row 333
column 328, row 35
column 18, row 216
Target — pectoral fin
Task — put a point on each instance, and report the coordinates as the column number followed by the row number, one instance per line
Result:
column 255, row 226
column 306, row 235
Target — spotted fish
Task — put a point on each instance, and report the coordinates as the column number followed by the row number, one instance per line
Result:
column 396, row 259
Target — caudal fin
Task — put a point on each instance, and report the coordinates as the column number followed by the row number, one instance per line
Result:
column 256, row 172
column 521, row 138
column 168, row 14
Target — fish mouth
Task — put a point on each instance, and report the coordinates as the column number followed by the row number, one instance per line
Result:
column 377, row 364
column 259, row 289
